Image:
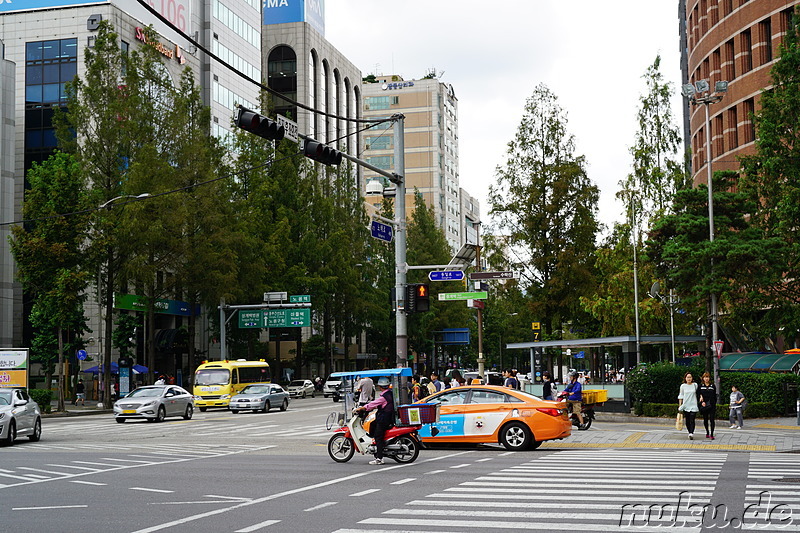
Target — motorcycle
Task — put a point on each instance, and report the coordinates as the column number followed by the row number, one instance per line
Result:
column 402, row 442
column 587, row 410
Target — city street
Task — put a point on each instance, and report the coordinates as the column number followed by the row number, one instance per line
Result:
column 271, row 472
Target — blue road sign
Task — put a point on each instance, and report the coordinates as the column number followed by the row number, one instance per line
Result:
column 380, row 231
column 81, row 355
column 446, row 275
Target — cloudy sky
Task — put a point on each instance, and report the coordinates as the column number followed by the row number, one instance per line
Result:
column 591, row 54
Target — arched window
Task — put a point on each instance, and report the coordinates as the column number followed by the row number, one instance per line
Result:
column 323, row 102
column 312, row 92
column 282, row 72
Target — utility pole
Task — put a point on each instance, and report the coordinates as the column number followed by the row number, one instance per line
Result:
column 401, row 324
column 481, row 360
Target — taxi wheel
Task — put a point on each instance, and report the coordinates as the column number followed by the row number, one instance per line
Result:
column 340, row 448
column 535, row 444
column 515, row 437
column 37, row 431
column 189, row 412
column 285, row 405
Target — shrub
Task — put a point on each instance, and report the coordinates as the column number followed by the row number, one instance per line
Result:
column 659, row 382
column 43, row 397
column 670, row 410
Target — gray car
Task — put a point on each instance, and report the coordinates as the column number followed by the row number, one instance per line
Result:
column 19, row 416
column 300, row 388
column 154, row 404
column 260, row 397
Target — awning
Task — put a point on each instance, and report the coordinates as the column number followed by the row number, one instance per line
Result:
column 761, row 362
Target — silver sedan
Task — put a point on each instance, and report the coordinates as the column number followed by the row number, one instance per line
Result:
column 260, row 397
column 300, row 388
column 19, row 415
column 154, row 404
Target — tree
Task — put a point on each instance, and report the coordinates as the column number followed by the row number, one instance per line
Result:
column 50, row 255
column 545, row 207
column 772, row 178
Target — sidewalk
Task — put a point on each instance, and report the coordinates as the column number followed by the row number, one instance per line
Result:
column 90, row 408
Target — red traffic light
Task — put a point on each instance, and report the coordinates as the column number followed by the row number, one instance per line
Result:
column 321, row 152
column 259, row 124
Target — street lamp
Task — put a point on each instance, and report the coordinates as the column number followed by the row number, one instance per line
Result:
column 699, row 93
column 501, row 344
column 635, row 236
column 670, row 301
column 131, row 196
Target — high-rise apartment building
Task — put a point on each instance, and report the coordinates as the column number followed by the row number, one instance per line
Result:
column 430, row 108
column 735, row 41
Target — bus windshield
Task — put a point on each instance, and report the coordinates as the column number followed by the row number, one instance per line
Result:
column 216, row 376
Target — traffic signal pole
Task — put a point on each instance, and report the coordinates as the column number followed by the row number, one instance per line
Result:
column 401, row 325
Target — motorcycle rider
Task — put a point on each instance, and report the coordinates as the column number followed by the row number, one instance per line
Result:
column 384, row 403
column 575, row 390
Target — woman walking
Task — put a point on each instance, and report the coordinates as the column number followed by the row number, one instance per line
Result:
column 687, row 402
column 737, row 408
column 707, row 394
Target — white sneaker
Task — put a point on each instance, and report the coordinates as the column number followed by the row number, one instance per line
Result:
column 691, row 436
column 738, row 427
column 733, row 426
column 376, row 462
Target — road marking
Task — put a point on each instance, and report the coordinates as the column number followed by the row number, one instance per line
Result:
column 235, row 498
column 256, row 527
column 87, row 482
column 49, row 507
column 506, row 453
column 431, row 472
column 320, row 506
column 37, row 476
column 663, row 445
column 484, row 459
column 365, row 492
column 403, row 481
column 91, row 463
column 152, row 490
column 16, row 477
column 79, row 468
column 125, row 460
column 43, row 471
column 462, row 465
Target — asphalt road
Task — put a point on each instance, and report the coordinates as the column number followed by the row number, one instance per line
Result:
column 255, row 472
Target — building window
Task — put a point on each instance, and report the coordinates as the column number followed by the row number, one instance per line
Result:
column 747, row 51
column 373, row 103
column 733, row 129
column 730, row 61
column 282, row 77
column 49, row 65
column 384, row 142
column 749, row 110
column 718, row 138
column 765, row 34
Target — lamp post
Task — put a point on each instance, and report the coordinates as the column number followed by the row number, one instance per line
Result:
column 635, row 236
column 700, row 93
column 109, row 301
column 501, row 344
column 670, row 301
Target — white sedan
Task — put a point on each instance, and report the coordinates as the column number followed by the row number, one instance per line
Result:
column 19, row 415
column 300, row 388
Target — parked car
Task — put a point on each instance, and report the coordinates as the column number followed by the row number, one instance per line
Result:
column 490, row 414
column 19, row 416
column 154, row 403
column 300, row 388
column 331, row 387
column 260, row 397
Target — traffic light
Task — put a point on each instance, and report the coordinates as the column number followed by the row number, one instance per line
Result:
column 322, row 153
column 422, row 297
column 411, row 298
column 259, row 124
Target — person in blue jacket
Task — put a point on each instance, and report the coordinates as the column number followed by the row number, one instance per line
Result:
column 575, row 390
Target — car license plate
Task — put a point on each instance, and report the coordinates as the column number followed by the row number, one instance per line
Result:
column 129, row 411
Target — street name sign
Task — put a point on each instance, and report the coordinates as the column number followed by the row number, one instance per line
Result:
column 289, row 128
column 250, row 319
column 286, row 318
column 383, row 232
column 450, row 296
column 476, row 304
column 446, row 275
column 300, row 299
column 503, row 274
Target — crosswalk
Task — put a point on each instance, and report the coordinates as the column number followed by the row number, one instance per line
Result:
column 583, row 490
column 772, row 495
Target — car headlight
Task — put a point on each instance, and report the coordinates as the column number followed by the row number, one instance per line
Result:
column 151, row 402
column 224, row 396
column 2, row 415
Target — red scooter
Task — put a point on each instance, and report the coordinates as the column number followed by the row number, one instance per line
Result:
column 402, row 442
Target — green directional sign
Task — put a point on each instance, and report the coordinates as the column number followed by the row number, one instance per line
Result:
column 450, row 296
column 286, row 318
column 250, row 319
column 300, row 299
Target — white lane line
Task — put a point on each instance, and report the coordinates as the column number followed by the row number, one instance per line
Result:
column 431, row 472
column 88, row 482
column 12, row 476
column 463, row 465
column 484, row 459
column 235, row 498
column 37, row 476
column 403, row 481
column 44, row 471
column 506, row 453
column 49, row 507
column 6, row 471
column 365, row 492
column 91, row 463
column 80, row 468
column 320, row 506
column 256, row 527
column 124, row 460
column 152, row 490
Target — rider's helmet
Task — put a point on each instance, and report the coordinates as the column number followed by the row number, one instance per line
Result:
column 572, row 375
column 383, row 382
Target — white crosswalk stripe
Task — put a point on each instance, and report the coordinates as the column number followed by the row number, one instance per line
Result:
column 772, row 495
column 631, row 490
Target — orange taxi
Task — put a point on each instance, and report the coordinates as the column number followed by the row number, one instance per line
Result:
column 491, row 414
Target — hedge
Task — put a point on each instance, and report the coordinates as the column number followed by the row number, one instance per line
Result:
column 43, row 397
column 670, row 410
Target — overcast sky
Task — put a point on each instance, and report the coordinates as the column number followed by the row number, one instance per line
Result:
column 591, row 54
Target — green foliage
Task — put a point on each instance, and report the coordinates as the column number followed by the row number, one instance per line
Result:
column 659, row 382
column 753, row 410
column 43, row 397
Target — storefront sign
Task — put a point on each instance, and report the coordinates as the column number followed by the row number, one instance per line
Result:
column 167, row 52
column 14, row 368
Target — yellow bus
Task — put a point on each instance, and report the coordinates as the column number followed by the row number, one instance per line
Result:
column 216, row 381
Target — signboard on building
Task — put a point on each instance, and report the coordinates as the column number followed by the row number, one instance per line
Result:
column 14, row 368
column 285, row 11
column 22, row 5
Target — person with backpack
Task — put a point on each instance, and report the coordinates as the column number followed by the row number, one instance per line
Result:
column 418, row 392
column 549, row 389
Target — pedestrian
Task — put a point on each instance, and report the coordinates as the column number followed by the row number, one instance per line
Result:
column 456, row 379
column 510, row 381
column 80, row 393
column 687, row 402
column 365, row 388
column 435, row 385
column 707, row 394
column 384, row 419
column 160, row 381
column 549, row 389
column 737, row 408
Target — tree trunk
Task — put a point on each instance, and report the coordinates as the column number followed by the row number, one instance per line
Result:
column 60, row 369
column 109, row 304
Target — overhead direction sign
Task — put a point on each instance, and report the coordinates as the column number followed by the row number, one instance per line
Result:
column 503, row 274
column 250, row 319
column 300, row 299
column 446, row 275
column 450, row 296
column 383, row 232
